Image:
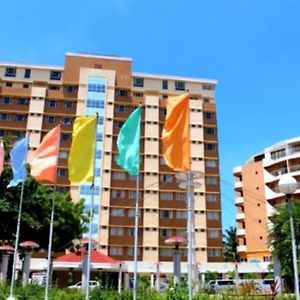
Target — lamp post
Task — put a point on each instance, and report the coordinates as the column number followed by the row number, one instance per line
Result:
column 288, row 185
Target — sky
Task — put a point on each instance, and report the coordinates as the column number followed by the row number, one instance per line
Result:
column 251, row 47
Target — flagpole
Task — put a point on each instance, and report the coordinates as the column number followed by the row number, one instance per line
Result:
column 11, row 297
column 136, row 233
column 51, row 231
column 190, row 242
column 87, row 287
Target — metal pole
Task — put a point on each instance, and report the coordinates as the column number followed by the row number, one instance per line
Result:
column 189, row 229
column 49, row 249
column 294, row 251
column 87, row 288
column 11, row 297
column 136, row 233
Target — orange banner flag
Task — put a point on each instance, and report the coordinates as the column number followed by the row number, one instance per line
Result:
column 44, row 161
column 176, row 133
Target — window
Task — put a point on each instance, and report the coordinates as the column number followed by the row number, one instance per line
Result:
column 51, row 120
column 70, row 89
column 55, row 75
column 122, row 93
column 118, row 176
column 27, row 73
column 208, row 87
column 179, row 85
column 166, row 232
column 62, row 172
column 118, row 124
column 211, row 180
column 210, row 163
column 180, row 196
column 162, row 161
column 18, row 134
column 98, row 153
column 210, row 130
column 116, row 231
column 137, row 94
column 51, row 103
column 163, row 112
column 99, row 137
column 2, row 132
column 67, row 121
column 54, row 87
column 132, row 195
column 213, row 234
column 96, row 88
column 89, row 190
column 100, row 120
column 20, row 118
column 115, row 251
column 210, row 147
column 69, row 104
column 209, row 115
column 4, row 117
column 166, row 196
column 278, row 154
column 8, row 84
column 117, row 212
column 22, row 101
column 6, row 100
column 166, row 178
column 118, row 194
column 165, row 84
column 130, row 251
column 10, row 72
column 65, row 137
column 63, row 154
column 181, row 232
column 181, row 214
column 121, row 108
column 131, row 213
column 95, row 103
column 213, row 216
column 138, row 81
column 212, row 198
column 165, row 252
column 214, row 253
column 166, row 214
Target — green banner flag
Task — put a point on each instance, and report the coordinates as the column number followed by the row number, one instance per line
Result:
column 128, row 143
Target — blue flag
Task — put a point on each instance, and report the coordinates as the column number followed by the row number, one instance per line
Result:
column 18, row 156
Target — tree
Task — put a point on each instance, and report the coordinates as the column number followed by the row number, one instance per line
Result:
column 280, row 236
column 230, row 244
column 36, row 213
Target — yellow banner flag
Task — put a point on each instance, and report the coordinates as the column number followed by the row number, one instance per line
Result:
column 81, row 157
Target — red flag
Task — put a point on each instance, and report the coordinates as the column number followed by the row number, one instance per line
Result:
column 44, row 162
column 2, row 154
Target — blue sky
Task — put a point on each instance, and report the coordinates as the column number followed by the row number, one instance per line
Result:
column 251, row 47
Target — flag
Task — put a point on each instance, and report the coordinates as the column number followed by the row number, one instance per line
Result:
column 18, row 156
column 2, row 155
column 44, row 161
column 128, row 143
column 176, row 134
column 81, row 156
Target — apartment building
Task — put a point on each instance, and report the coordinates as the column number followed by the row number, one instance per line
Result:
column 34, row 98
column 257, row 195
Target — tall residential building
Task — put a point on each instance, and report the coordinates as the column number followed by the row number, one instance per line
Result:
column 257, row 195
column 34, row 98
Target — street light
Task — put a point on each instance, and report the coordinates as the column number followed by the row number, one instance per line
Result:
column 288, row 185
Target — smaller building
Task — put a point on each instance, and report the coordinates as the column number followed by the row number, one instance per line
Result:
column 257, row 195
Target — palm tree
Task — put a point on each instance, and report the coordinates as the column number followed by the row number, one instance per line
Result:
column 280, row 236
column 230, row 244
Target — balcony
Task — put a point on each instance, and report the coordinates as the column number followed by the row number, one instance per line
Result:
column 241, row 232
column 237, row 170
column 238, row 185
column 240, row 216
column 242, row 248
column 239, row 200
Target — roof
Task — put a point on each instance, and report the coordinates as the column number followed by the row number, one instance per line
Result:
column 96, row 257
